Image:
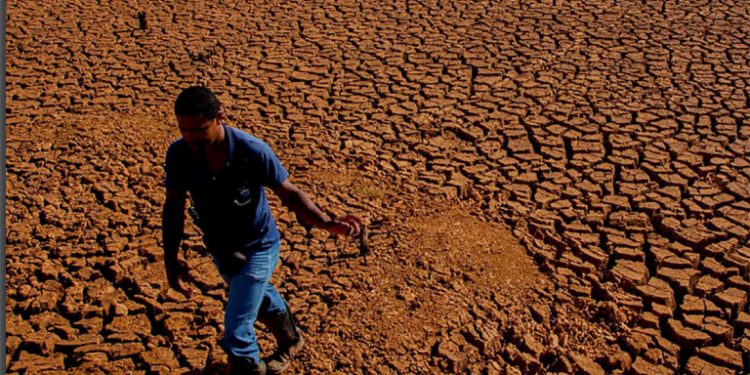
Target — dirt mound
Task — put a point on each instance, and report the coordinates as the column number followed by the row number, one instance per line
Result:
column 489, row 254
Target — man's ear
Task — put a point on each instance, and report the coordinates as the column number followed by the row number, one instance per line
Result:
column 220, row 117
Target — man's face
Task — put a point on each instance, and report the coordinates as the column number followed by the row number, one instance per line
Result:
column 198, row 132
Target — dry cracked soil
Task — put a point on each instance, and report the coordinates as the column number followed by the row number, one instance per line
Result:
column 552, row 186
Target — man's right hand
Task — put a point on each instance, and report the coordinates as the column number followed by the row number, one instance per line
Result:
column 177, row 275
column 173, row 224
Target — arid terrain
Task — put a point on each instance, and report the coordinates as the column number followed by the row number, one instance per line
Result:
column 551, row 186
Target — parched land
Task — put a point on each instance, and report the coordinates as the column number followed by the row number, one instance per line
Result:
column 551, row 186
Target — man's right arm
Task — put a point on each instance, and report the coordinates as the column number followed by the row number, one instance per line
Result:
column 173, row 224
column 173, row 218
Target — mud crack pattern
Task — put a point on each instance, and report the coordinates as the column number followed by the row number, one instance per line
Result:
column 610, row 137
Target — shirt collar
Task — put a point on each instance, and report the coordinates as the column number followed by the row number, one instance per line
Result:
column 229, row 134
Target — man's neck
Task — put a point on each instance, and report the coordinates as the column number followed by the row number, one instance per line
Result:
column 218, row 147
column 222, row 135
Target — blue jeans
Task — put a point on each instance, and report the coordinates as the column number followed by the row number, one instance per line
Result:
column 251, row 297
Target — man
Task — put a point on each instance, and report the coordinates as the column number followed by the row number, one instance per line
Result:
column 225, row 171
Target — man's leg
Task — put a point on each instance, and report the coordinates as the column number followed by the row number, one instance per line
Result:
column 273, row 304
column 277, row 317
column 247, row 290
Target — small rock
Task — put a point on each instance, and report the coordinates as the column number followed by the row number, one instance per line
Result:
column 119, row 309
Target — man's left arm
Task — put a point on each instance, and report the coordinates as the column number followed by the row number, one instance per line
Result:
column 276, row 178
column 301, row 204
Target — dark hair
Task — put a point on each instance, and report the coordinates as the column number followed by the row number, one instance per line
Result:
column 197, row 100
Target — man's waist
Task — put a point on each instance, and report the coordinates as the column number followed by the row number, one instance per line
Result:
column 241, row 240
column 226, row 220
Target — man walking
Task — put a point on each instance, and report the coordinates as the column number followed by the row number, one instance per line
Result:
column 225, row 171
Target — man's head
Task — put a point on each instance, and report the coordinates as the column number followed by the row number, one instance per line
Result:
column 199, row 116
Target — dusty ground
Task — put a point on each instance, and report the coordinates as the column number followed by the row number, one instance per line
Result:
column 553, row 186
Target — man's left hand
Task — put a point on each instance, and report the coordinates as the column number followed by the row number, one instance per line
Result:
column 349, row 225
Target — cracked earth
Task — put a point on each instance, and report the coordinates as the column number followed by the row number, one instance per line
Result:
column 551, row 186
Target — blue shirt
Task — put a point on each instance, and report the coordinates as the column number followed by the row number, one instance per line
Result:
column 232, row 206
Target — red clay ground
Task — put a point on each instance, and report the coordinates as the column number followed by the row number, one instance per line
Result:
column 552, row 186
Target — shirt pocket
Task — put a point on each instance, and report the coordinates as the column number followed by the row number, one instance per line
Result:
column 242, row 197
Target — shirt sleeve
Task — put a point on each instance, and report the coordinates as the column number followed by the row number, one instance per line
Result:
column 174, row 174
column 273, row 172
